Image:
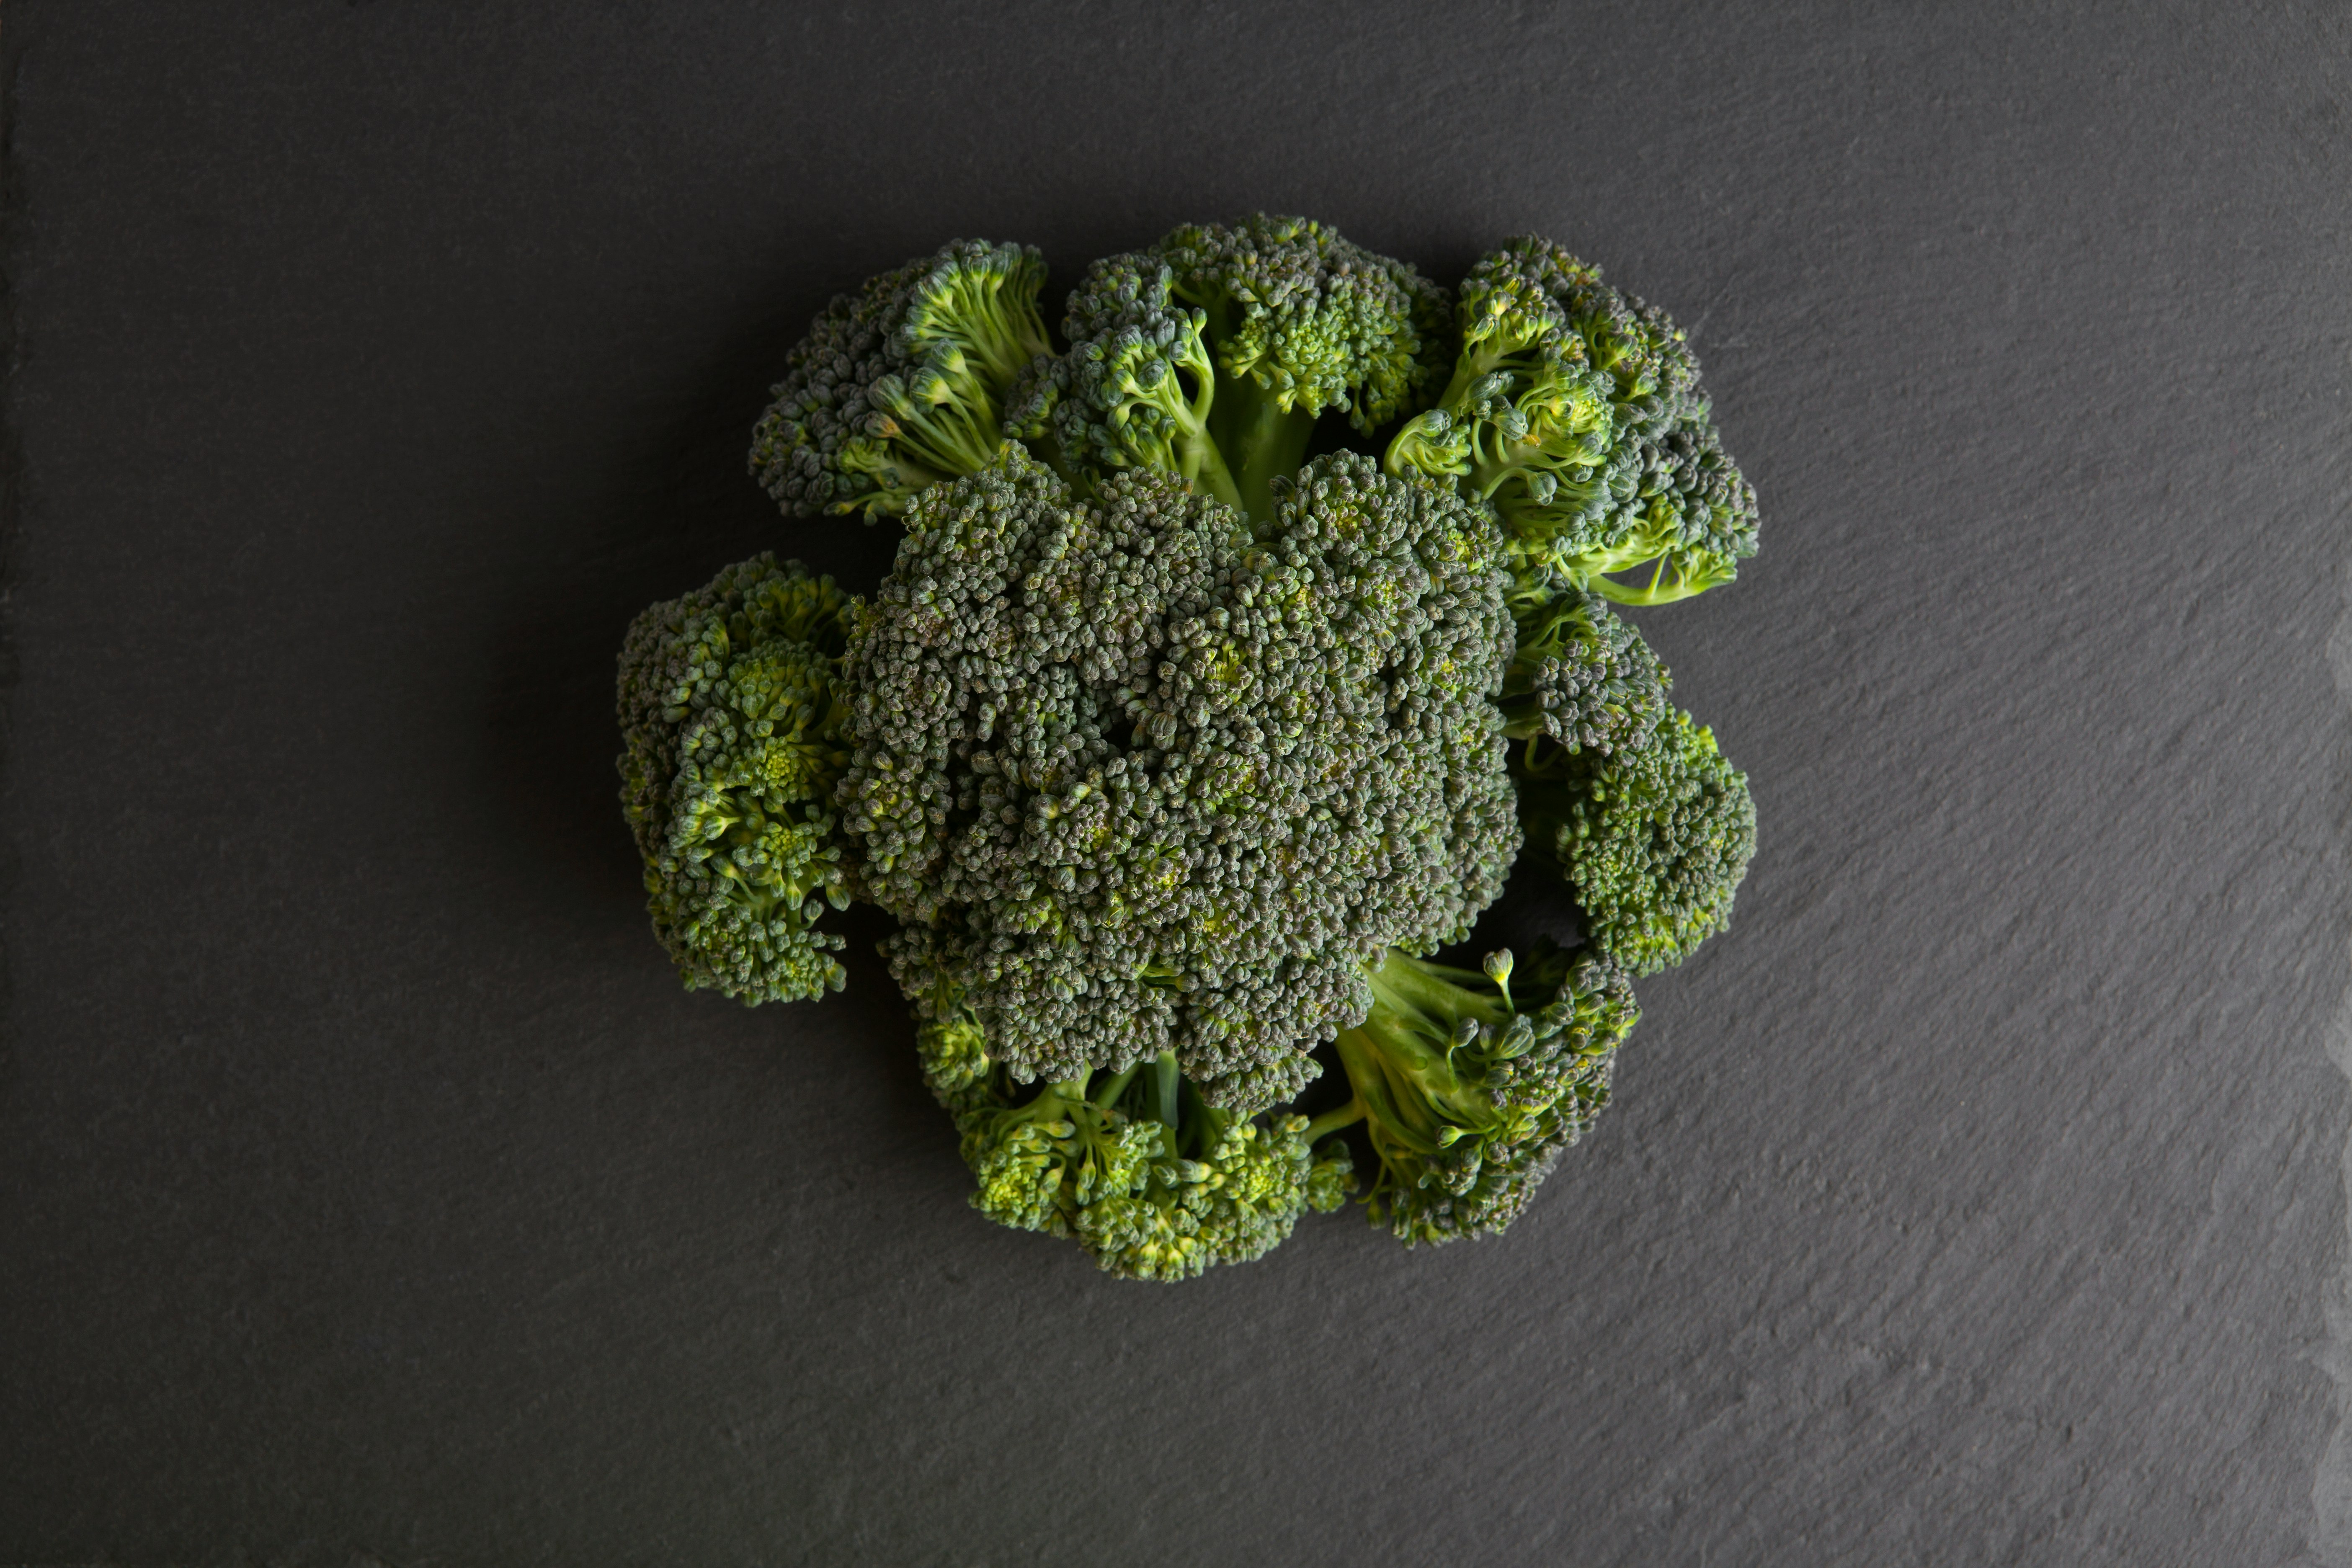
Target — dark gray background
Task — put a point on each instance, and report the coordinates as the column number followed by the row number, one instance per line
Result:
column 372, row 1193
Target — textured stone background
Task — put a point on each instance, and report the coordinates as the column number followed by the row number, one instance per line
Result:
column 370, row 1192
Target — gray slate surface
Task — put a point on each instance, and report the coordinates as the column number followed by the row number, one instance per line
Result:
column 369, row 1192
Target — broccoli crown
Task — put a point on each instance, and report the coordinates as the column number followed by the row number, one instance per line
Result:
column 1136, row 1166
column 1467, row 1095
column 1575, row 412
column 1175, row 756
column 731, row 732
column 902, row 383
column 1145, row 780
column 1653, row 841
column 1583, row 681
column 1209, row 355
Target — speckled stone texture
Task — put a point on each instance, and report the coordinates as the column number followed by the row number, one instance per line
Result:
column 371, row 1194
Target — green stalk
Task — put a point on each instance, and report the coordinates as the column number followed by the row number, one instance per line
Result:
column 1199, row 462
column 1266, row 444
column 1255, row 441
column 1166, row 1085
column 1410, row 989
column 1655, row 592
column 1370, row 1054
column 1330, row 1122
column 1112, row 1086
column 1011, row 338
column 1475, row 362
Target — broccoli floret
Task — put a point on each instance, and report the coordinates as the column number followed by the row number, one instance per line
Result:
column 1161, row 1193
column 951, row 1046
column 1652, row 828
column 1145, row 780
column 1136, row 1166
column 1209, row 355
column 1466, row 1094
column 731, row 725
column 1691, row 521
column 903, row 383
column 1654, row 843
column 1134, row 392
column 1575, row 412
column 1582, row 682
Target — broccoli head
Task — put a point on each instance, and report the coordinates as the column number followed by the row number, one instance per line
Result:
column 731, row 728
column 1176, row 756
column 1466, row 1094
column 1653, row 841
column 1146, row 780
column 902, row 383
column 1575, row 412
column 1210, row 354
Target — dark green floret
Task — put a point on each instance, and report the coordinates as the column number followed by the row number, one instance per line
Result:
column 731, row 729
column 1582, row 685
column 903, row 383
column 1209, row 355
column 1654, row 843
column 1469, row 1086
column 1146, row 780
column 1136, row 391
column 1575, row 412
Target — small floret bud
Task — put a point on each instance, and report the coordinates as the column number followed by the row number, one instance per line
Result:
column 1497, row 965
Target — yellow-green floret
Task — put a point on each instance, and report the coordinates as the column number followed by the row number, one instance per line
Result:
column 1136, row 1166
column 1575, row 412
column 1210, row 354
column 1468, row 1094
column 731, row 732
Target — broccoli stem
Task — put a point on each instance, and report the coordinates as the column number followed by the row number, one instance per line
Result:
column 1198, row 461
column 1477, row 361
column 1253, row 436
column 1330, row 1122
column 1003, row 336
column 1387, row 1066
column 1659, row 590
column 1166, row 1086
column 1204, row 1125
column 1399, row 1060
column 1409, row 988
column 1523, row 720
column 1265, row 443
column 1109, row 1090
column 1513, row 352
